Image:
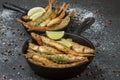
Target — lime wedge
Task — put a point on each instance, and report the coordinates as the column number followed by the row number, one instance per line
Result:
column 36, row 15
column 65, row 43
column 55, row 35
column 35, row 10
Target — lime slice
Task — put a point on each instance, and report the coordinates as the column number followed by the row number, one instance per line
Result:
column 65, row 43
column 35, row 10
column 55, row 35
column 36, row 15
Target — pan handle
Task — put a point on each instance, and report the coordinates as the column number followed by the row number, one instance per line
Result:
column 14, row 7
column 85, row 25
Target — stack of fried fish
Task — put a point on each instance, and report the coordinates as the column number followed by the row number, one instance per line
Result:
column 52, row 19
column 50, row 53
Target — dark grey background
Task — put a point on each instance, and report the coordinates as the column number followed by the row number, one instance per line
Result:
column 104, row 33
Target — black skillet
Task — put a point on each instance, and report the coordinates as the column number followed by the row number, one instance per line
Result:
column 15, row 8
column 62, row 73
column 87, row 22
column 59, row 73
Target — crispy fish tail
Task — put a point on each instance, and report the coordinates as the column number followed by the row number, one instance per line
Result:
column 59, row 18
column 37, row 38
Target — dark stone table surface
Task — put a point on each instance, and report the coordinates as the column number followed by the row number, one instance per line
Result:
column 104, row 34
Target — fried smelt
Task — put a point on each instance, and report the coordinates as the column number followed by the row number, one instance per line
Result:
column 26, row 18
column 80, row 48
column 40, row 60
column 62, row 7
column 44, row 49
column 64, row 58
column 37, row 38
column 59, row 18
column 64, row 22
column 44, row 23
column 30, row 25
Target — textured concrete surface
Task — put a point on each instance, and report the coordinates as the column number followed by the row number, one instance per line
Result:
column 104, row 34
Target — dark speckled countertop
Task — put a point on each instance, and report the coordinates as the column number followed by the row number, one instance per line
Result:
column 104, row 34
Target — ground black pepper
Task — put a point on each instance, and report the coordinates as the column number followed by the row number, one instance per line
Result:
column 8, row 44
column 21, row 67
column 13, row 32
column 4, row 77
column 20, row 39
column 13, row 68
